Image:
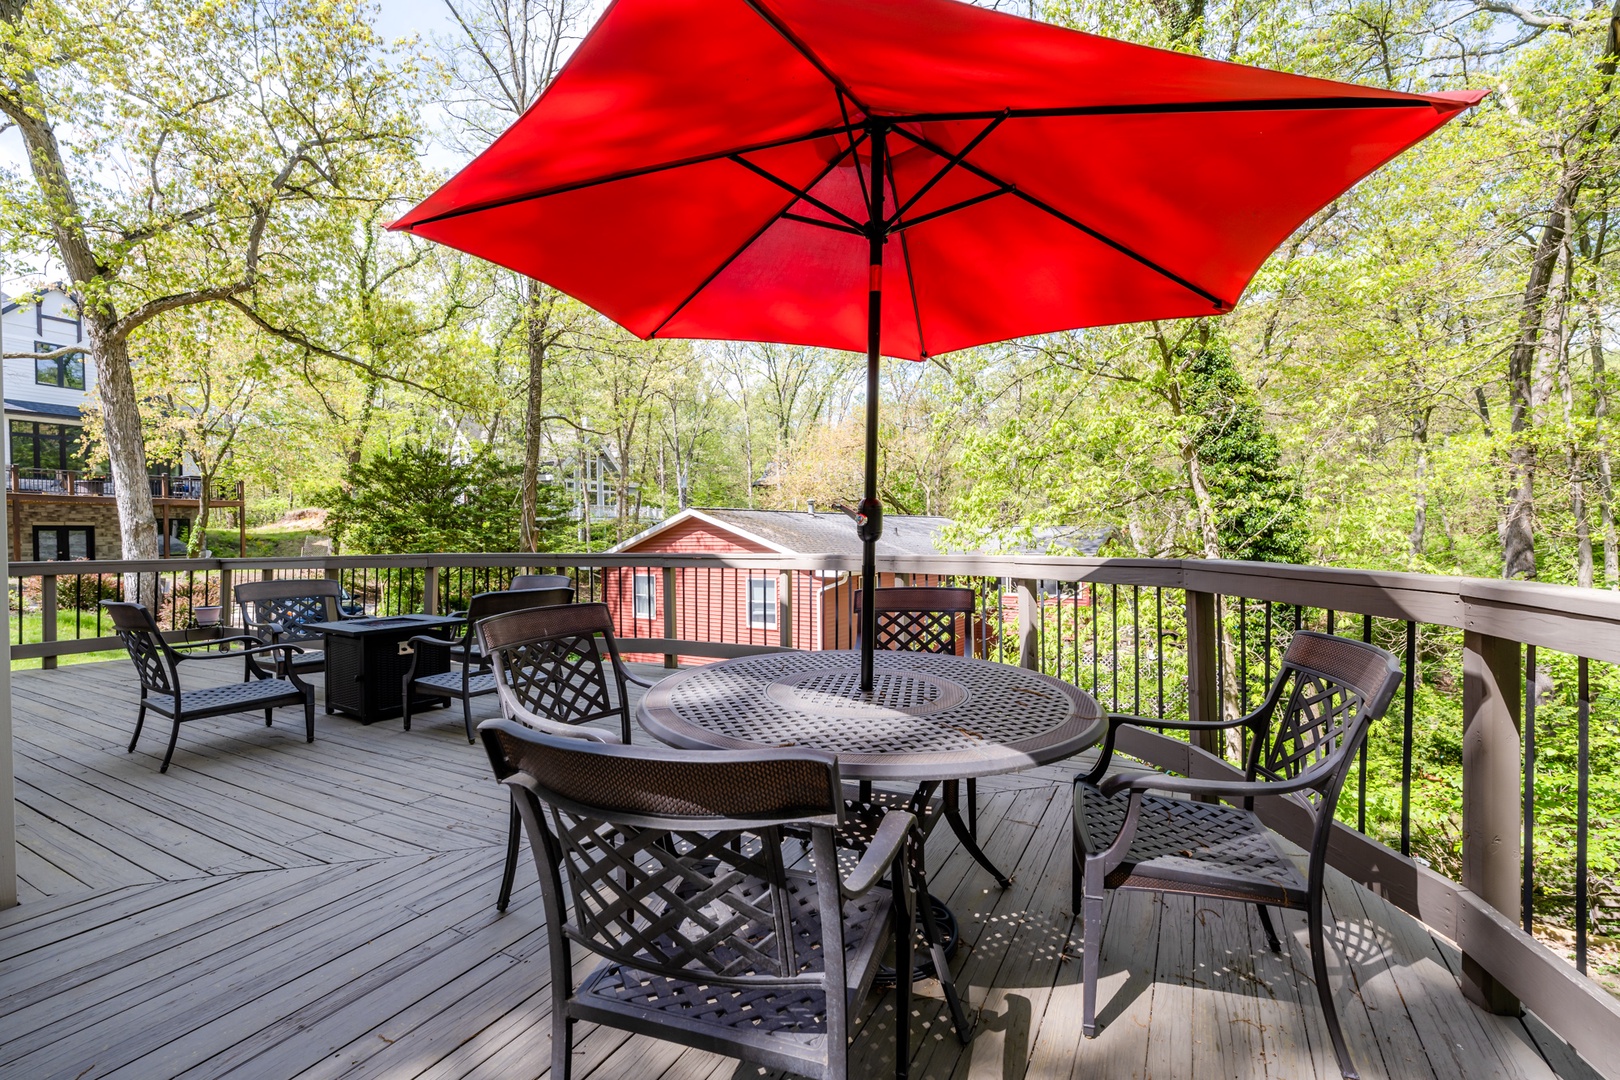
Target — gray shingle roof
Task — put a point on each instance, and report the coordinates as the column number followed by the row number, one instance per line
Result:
column 829, row 532
column 40, row 408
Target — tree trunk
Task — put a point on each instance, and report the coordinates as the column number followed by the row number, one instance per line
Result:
column 537, row 337
column 1605, row 475
column 1420, row 510
column 126, row 450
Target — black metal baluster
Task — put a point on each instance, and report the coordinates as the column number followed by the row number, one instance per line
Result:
column 1136, row 650
column 1406, row 740
column 1583, row 715
column 1113, row 605
column 1243, row 660
column 1268, row 646
column 1158, row 620
column 1361, row 766
column 1528, row 893
column 1096, row 678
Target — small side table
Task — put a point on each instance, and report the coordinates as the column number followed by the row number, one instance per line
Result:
column 366, row 661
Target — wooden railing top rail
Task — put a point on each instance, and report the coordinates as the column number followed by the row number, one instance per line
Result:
column 1560, row 617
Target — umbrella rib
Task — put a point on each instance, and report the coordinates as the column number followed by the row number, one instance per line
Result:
column 954, row 160
column 1040, row 204
column 631, row 174
column 911, row 277
column 805, row 195
column 1308, row 104
column 822, row 223
column 746, row 244
column 902, row 226
column 805, row 51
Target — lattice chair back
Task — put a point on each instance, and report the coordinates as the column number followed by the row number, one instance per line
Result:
column 139, row 632
column 921, row 618
column 674, row 866
column 1327, row 692
column 542, row 581
column 290, row 603
column 548, row 663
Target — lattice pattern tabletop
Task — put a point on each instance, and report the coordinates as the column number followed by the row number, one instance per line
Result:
column 928, row 717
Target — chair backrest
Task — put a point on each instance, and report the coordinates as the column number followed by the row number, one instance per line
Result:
column 921, row 618
column 486, row 604
column 542, row 581
column 139, row 632
column 548, row 663
column 1327, row 692
column 673, row 858
column 292, row 603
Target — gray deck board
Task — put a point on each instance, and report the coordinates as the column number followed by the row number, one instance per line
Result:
column 275, row 909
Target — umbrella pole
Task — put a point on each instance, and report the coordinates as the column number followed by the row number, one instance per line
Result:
column 869, row 517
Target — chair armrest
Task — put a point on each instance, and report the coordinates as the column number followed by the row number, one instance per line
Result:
column 880, row 854
column 181, row 646
column 1105, row 753
column 423, row 639
column 289, row 648
column 1187, row 785
column 566, row 731
column 640, row 680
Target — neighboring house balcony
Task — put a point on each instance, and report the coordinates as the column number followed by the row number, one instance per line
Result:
column 73, row 514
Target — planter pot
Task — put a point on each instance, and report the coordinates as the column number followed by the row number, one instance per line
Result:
column 208, row 615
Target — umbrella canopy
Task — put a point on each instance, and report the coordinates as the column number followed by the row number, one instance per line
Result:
column 764, row 170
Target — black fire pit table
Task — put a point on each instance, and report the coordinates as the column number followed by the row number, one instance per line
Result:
column 366, row 660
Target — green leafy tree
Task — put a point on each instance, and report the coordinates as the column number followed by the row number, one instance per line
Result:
column 417, row 498
column 173, row 148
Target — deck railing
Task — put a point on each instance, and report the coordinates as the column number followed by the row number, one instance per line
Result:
column 68, row 482
column 1510, row 693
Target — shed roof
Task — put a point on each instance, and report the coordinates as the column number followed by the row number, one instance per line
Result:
column 799, row 532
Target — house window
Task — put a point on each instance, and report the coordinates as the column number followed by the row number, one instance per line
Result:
column 646, row 605
column 46, row 446
column 762, row 603
column 55, row 542
column 65, row 371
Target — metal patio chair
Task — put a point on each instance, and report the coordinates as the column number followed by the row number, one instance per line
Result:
column 1302, row 743
column 550, row 675
column 925, row 618
column 157, row 663
column 542, row 581
column 470, row 676
column 279, row 612
column 675, row 879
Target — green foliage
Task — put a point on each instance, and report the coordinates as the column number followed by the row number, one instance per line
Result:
column 1258, row 511
column 419, row 499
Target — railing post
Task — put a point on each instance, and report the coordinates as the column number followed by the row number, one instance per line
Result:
column 430, row 590
column 47, row 616
column 1491, row 825
column 225, row 612
column 670, row 630
column 1029, row 637
column 784, row 609
column 1203, row 688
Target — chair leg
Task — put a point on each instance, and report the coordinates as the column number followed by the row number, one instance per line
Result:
column 174, row 737
column 269, row 717
column 1271, row 932
column 466, row 714
column 562, row 1045
column 309, row 715
column 1324, row 991
column 1091, row 944
column 407, row 706
column 905, row 935
column 509, row 875
column 140, row 722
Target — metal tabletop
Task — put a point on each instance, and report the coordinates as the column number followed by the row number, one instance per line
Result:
column 928, row 717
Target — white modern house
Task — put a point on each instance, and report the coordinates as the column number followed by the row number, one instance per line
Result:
column 60, row 506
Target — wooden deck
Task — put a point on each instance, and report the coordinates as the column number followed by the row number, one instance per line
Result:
column 275, row 909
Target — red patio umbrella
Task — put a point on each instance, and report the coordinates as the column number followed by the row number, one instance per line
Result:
column 758, row 169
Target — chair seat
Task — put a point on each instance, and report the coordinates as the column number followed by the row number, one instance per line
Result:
column 794, row 1015
column 1182, row 846
column 448, row 684
column 232, row 697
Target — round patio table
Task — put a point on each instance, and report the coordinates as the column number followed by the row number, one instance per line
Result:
column 929, row 719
